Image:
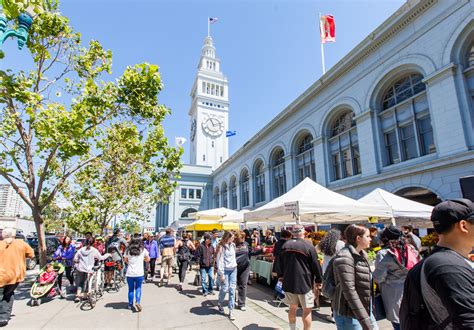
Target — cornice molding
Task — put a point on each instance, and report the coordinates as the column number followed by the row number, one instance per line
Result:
column 447, row 70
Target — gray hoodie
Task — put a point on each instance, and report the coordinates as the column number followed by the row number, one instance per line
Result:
column 85, row 258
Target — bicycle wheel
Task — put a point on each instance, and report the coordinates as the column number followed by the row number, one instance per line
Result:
column 92, row 299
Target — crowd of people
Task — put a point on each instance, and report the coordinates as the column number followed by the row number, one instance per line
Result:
column 355, row 288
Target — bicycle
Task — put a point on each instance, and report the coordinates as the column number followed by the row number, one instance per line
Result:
column 118, row 279
column 94, row 286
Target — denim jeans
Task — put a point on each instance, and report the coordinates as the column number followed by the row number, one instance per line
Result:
column 228, row 285
column 134, row 286
column 6, row 301
column 205, row 274
column 348, row 323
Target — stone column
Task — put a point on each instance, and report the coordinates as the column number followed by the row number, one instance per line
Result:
column 289, row 171
column 445, row 111
column 367, row 139
column 320, row 160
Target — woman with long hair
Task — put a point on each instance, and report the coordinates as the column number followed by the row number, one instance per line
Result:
column 135, row 256
column 226, row 271
column 65, row 255
column 353, row 298
column 392, row 264
column 184, row 248
column 330, row 245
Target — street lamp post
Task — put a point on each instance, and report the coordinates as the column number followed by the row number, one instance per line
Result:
column 21, row 33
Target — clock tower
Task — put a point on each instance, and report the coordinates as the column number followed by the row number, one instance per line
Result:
column 209, row 111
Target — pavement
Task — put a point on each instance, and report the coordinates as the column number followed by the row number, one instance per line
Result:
column 163, row 308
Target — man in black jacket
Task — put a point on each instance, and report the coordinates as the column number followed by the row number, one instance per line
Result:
column 300, row 270
column 205, row 258
column 448, row 271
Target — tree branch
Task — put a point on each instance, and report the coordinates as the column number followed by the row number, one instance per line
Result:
column 18, row 190
column 63, row 179
column 45, row 170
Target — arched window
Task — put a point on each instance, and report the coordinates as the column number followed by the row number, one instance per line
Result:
column 224, row 195
column 186, row 212
column 233, row 193
column 405, row 120
column 344, row 147
column 259, row 179
column 304, row 159
column 216, row 197
column 278, row 173
column 469, row 74
column 244, row 188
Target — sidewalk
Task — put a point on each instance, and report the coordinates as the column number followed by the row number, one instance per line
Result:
column 163, row 308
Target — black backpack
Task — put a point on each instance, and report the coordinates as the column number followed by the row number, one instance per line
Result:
column 329, row 282
column 414, row 314
column 184, row 254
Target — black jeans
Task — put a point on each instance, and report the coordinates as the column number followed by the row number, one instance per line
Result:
column 242, row 279
column 183, row 266
column 6, row 301
column 152, row 267
column 69, row 275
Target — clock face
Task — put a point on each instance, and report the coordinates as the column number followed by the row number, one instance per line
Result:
column 193, row 129
column 213, row 126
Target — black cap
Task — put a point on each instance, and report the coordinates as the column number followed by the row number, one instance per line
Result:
column 391, row 233
column 451, row 211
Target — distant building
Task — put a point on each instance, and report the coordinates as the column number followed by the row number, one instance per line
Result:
column 397, row 113
column 11, row 204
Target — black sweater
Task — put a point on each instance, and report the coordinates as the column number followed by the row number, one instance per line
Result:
column 299, row 266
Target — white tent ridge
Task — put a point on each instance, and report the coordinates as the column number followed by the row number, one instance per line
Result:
column 319, row 205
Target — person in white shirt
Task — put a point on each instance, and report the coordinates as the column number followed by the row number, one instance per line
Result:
column 227, row 271
column 135, row 255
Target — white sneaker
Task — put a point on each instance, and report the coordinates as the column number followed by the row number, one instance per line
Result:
column 243, row 308
column 231, row 316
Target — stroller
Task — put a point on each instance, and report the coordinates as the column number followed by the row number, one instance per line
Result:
column 39, row 290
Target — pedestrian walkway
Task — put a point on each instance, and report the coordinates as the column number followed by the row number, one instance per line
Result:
column 163, row 308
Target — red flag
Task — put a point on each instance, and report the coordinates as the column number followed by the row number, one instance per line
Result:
column 328, row 29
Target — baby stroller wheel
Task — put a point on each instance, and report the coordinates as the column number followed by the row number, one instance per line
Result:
column 36, row 302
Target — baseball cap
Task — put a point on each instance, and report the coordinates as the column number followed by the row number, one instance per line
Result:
column 297, row 229
column 451, row 211
column 391, row 233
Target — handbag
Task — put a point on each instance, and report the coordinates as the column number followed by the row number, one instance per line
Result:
column 379, row 308
column 197, row 279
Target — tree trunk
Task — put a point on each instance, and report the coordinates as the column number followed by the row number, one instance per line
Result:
column 41, row 236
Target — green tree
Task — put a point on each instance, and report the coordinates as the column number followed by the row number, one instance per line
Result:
column 46, row 137
column 124, row 180
column 130, row 226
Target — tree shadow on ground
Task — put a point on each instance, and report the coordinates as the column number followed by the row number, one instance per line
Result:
column 255, row 326
column 206, row 308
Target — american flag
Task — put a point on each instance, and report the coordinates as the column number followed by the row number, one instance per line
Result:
column 213, row 19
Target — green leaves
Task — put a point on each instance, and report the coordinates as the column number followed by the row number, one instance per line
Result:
column 13, row 8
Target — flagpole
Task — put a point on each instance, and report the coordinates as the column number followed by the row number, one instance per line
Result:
column 208, row 27
column 322, row 45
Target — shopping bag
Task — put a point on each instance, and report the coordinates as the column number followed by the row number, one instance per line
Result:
column 379, row 307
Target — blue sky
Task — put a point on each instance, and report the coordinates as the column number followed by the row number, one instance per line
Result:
column 269, row 50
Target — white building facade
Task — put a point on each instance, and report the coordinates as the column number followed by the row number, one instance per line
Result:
column 11, row 204
column 396, row 113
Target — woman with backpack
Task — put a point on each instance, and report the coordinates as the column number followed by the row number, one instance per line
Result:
column 352, row 303
column 135, row 256
column 183, row 248
column 392, row 264
column 226, row 271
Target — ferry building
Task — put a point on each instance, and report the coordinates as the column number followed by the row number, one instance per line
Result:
column 397, row 113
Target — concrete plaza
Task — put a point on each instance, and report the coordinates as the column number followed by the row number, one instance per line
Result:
column 163, row 308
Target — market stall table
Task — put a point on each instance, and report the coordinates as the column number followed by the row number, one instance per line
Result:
column 262, row 268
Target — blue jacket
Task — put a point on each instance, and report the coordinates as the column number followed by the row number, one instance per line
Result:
column 65, row 255
column 152, row 248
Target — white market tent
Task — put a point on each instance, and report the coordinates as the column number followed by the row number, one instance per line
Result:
column 405, row 211
column 234, row 217
column 212, row 214
column 317, row 204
